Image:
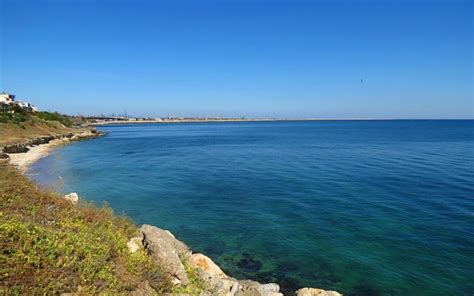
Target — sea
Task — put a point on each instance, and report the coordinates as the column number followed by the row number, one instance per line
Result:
column 361, row 207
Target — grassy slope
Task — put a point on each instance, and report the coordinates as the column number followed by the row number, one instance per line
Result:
column 48, row 245
column 13, row 133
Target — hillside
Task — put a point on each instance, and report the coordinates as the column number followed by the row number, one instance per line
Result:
column 16, row 128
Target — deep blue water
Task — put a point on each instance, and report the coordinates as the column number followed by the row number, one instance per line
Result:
column 362, row 207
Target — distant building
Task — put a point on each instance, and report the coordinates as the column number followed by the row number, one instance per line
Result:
column 27, row 106
column 6, row 98
column 23, row 104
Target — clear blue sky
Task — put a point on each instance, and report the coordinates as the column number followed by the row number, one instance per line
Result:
column 241, row 58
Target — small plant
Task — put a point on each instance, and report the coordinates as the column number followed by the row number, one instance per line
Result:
column 195, row 285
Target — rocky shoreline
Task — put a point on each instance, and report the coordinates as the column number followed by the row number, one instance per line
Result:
column 173, row 256
column 170, row 254
column 24, row 153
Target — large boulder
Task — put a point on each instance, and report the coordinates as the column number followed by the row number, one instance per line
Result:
column 216, row 282
column 41, row 140
column 166, row 251
column 206, row 264
column 316, row 292
column 16, row 148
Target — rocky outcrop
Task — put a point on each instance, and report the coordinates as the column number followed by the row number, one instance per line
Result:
column 206, row 265
column 172, row 256
column 16, row 148
column 41, row 140
column 316, row 292
column 23, row 147
column 166, row 251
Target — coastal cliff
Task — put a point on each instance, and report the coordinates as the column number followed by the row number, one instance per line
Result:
column 64, row 245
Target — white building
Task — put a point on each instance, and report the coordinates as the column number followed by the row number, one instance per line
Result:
column 6, row 98
column 23, row 104
column 27, row 106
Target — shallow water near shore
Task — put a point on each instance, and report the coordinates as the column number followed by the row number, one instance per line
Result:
column 361, row 207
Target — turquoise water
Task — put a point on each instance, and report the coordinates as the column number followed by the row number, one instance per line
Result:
column 362, row 207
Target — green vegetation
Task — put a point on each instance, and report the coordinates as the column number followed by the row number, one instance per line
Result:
column 16, row 118
column 49, row 246
column 195, row 286
column 55, row 116
column 19, row 115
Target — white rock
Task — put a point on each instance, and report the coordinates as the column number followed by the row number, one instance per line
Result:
column 271, row 287
column 72, row 197
column 316, row 292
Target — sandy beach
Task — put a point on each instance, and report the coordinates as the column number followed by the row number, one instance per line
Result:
column 23, row 160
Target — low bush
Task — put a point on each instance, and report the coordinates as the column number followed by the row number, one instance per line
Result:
column 55, row 116
column 16, row 118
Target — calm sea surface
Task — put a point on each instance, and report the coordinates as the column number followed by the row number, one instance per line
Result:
column 362, row 207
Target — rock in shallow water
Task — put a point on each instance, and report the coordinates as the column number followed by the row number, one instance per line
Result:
column 170, row 253
column 206, row 264
column 249, row 264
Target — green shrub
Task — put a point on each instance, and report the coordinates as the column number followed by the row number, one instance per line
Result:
column 16, row 118
column 55, row 116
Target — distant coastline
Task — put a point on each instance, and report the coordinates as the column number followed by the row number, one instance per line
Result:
column 202, row 120
column 134, row 120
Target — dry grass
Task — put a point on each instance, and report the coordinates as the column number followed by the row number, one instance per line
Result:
column 48, row 246
column 11, row 133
